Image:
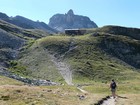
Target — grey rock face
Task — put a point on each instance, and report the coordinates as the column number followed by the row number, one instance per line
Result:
column 61, row 22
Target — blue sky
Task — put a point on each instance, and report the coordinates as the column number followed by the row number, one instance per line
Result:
column 102, row 12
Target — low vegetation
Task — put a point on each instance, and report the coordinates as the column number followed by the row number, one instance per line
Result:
column 94, row 58
column 86, row 57
column 18, row 69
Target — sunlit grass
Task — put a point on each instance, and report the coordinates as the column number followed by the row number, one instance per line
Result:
column 8, row 81
column 87, row 60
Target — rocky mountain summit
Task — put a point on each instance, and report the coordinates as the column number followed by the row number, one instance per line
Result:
column 70, row 20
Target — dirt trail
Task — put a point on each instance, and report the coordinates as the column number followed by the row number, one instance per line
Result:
column 110, row 101
column 63, row 68
column 83, row 91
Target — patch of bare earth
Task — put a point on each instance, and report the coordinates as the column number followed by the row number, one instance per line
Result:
column 63, row 68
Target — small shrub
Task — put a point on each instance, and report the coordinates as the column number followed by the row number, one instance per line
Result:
column 18, row 68
column 5, row 97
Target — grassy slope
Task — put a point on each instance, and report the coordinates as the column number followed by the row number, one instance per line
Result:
column 37, row 60
column 12, row 91
column 87, row 58
column 9, row 81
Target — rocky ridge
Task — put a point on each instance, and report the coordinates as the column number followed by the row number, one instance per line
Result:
column 26, row 23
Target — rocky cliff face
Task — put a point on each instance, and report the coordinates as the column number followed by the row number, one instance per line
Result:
column 70, row 20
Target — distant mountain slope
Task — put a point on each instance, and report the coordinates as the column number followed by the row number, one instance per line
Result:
column 70, row 21
column 26, row 23
column 20, row 32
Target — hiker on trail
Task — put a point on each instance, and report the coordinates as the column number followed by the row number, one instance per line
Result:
column 113, row 87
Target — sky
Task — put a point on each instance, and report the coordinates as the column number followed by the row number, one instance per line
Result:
column 102, row 12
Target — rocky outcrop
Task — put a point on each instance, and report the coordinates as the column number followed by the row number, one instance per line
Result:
column 61, row 22
column 36, row 82
column 29, row 24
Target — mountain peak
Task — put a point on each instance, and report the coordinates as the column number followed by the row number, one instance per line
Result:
column 69, row 20
column 70, row 12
